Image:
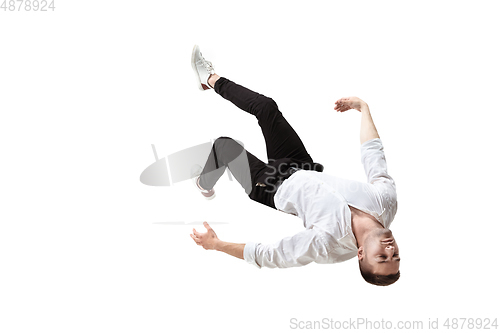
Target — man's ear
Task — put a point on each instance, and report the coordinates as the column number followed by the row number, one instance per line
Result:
column 361, row 253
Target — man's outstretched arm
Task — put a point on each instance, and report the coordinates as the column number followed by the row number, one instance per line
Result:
column 368, row 129
column 210, row 241
column 297, row 250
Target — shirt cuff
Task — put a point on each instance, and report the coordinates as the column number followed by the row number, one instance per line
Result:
column 249, row 253
column 371, row 142
column 368, row 147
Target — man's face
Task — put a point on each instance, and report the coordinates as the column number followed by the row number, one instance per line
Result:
column 381, row 253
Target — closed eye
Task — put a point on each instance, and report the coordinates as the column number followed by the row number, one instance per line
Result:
column 384, row 258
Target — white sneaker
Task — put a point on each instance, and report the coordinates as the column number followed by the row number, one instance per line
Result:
column 195, row 177
column 202, row 68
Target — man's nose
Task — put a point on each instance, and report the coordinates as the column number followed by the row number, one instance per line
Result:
column 390, row 248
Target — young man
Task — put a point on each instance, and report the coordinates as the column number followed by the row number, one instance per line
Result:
column 342, row 218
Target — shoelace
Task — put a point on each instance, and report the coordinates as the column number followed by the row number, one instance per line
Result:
column 206, row 64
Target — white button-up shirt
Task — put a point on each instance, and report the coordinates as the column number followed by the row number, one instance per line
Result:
column 322, row 201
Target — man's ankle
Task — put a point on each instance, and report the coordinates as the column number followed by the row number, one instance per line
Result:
column 212, row 79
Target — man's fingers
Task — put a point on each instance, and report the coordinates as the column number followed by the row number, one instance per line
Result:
column 207, row 226
column 342, row 104
column 196, row 233
column 196, row 240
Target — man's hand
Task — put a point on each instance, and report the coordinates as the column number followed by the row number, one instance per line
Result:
column 208, row 240
column 348, row 103
column 368, row 129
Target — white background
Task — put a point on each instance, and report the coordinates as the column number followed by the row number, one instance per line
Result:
column 85, row 90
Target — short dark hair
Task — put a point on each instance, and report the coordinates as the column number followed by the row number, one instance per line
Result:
column 378, row 280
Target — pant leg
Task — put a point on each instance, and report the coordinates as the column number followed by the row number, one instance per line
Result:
column 228, row 153
column 281, row 139
column 245, row 167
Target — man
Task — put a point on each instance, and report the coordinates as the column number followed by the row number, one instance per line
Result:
column 342, row 218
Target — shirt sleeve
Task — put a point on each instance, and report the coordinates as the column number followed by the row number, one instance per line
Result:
column 298, row 250
column 374, row 163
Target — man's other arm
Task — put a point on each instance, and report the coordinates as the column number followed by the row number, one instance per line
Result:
column 368, row 129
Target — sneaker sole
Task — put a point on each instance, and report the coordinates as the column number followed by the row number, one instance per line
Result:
column 209, row 198
column 201, row 86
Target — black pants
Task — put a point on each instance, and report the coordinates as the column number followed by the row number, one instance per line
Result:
column 284, row 147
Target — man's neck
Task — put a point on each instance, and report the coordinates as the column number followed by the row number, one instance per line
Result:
column 362, row 224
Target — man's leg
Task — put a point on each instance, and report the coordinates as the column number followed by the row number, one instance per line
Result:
column 227, row 153
column 281, row 139
column 245, row 167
